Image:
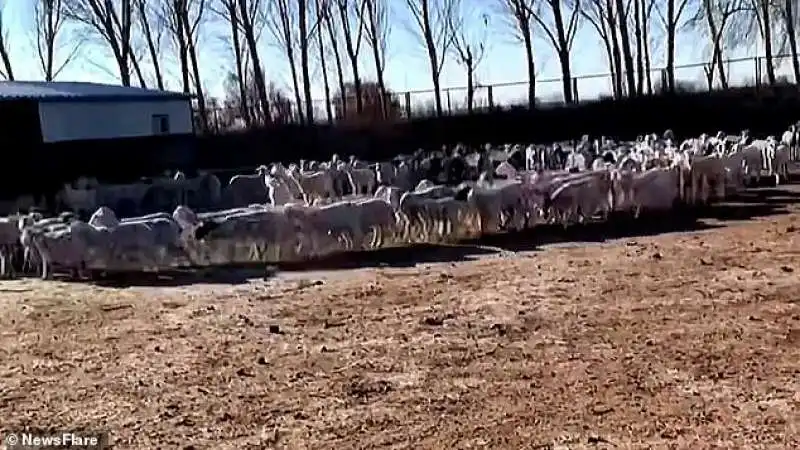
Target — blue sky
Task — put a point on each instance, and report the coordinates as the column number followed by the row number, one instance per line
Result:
column 407, row 67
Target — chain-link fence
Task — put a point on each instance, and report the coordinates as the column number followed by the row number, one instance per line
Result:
column 750, row 71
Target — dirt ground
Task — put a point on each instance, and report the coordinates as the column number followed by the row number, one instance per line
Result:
column 682, row 340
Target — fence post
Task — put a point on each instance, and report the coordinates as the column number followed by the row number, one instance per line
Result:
column 408, row 104
column 490, row 96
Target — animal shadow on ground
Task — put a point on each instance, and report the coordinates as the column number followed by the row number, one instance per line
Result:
column 763, row 202
column 619, row 226
column 755, row 203
column 231, row 275
column 394, row 257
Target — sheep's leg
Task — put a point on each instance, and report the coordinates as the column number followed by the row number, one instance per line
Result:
column 26, row 260
column 637, row 209
column 377, row 238
column 11, row 260
column 425, row 227
column 564, row 217
column 441, row 226
column 46, row 268
column 407, row 231
column 3, row 264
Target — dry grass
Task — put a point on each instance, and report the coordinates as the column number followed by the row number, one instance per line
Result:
column 679, row 341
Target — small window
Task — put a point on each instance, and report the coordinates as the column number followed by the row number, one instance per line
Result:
column 160, row 124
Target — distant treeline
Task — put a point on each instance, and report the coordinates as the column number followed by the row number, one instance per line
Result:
column 761, row 110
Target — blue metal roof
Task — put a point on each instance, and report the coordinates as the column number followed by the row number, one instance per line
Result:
column 80, row 91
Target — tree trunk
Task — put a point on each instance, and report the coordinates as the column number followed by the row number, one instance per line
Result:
column 353, row 56
column 430, row 45
column 183, row 57
column 337, row 59
column 671, row 25
column 302, row 13
column 470, row 83
column 527, row 41
column 201, row 97
column 790, row 30
column 376, row 55
column 646, row 42
column 252, row 49
column 325, row 83
column 617, row 57
column 637, row 35
column 767, row 35
column 244, row 109
column 563, row 52
column 622, row 21
column 151, row 45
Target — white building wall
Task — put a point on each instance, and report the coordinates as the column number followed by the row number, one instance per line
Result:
column 69, row 121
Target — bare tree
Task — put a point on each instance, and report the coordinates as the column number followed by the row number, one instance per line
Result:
column 469, row 44
column 48, row 25
column 282, row 21
column 624, row 37
column 378, row 28
column 517, row 15
column 351, row 17
column 671, row 22
column 305, row 34
column 760, row 14
column 228, row 10
column 638, row 31
column 712, row 18
column 183, row 19
column 786, row 11
column 324, row 8
column 431, row 18
column 325, row 79
column 172, row 21
column 600, row 15
column 251, row 22
column 7, row 71
column 642, row 15
column 560, row 34
column 111, row 21
column 153, row 32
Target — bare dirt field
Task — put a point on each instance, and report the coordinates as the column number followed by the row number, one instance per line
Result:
column 683, row 340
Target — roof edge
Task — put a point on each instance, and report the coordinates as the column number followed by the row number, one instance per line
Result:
column 113, row 99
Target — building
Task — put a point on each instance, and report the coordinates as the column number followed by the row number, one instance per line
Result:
column 53, row 133
column 75, row 111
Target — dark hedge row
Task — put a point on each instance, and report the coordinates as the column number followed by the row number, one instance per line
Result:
column 762, row 111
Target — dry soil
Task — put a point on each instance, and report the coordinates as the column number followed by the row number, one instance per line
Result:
column 683, row 340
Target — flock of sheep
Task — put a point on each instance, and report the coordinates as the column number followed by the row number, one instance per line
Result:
column 315, row 209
